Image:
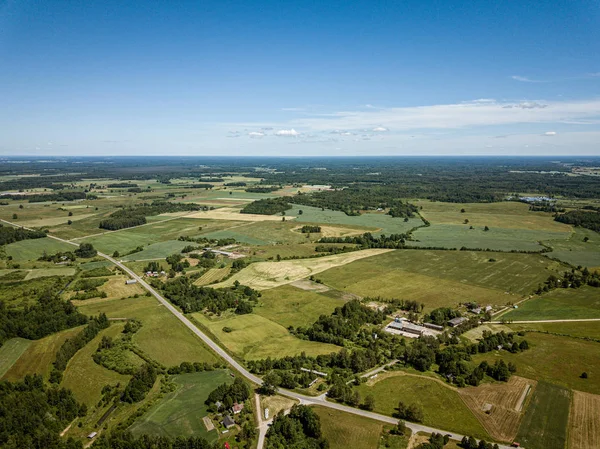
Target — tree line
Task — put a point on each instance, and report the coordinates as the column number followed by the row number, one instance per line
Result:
column 584, row 218
column 267, row 206
column 9, row 234
column 54, row 197
column 136, row 216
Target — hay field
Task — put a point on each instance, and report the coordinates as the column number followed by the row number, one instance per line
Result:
column 44, row 272
column 514, row 215
column 507, row 402
column 85, row 377
column 345, row 430
column 561, row 303
column 291, row 306
column 544, row 425
column 162, row 336
column 577, row 252
column 38, row 357
column 233, row 214
column 265, row 275
column 442, row 405
column 212, row 275
column 584, row 421
column 576, row 329
column 56, row 221
column 33, row 249
column 260, row 233
column 476, row 334
column 158, row 250
column 180, row 412
column 10, row 352
column 253, row 337
column 335, row 231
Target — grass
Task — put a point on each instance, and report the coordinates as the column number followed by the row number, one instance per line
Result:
column 33, row 249
column 10, row 352
column 291, row 306
column 562, row 303
column 158, row 250
column 261, row 233
column 180, row 412
column 345, row 430
column 377, row 222
column 254, row 337
column 577, row 252
column 499, row 239
column 38, row 357
column 580, row 329
column 44, row 272
column 555, row 359
column 265, row 275
column 512, row 215
column 86, row 378
column 544, row 425
column 162, row 336
column 442, row 405
column 584, row 431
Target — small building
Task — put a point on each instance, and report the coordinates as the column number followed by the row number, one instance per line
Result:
column 488, row 308
column 266, row 413
column 130, row 281
column 406, row 326
column 228, row 422
column 457, row 321
column 218, row 404
column 237, row 408
column 92, row 435
column 436, row 327
column 476, row 310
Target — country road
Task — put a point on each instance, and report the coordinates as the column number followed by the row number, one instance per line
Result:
column 574, row 320
column 307, row 400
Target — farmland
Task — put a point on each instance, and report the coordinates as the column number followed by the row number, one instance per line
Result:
column 264, row 275
column 10, row 352
column 253, row 337
column 544, row 425
column 580, row 329
column 559, row 304
column 584, row 426
column 442, row 405
column 180, row 412
column 33, row 249
column 344, row 430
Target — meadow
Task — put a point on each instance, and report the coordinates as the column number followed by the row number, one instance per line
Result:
column 441, row 404
column 265, row 275
column 345, row 430
column 39, row 355
column 261, row 232
column 561, row 303
column 253, row 337
column 180, row 412
column 162, row 336
column 581, row 329
column 34, row 249
column 577, row 252
column 10, row 352
column 544, row 425
column 554, row 359
column 158, row 250
column 292, row 306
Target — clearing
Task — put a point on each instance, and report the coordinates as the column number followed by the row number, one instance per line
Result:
column 544, row 425
column 265, row 275
column 584, row 425
column 181, row 412
column 499, row 406
column 10, row 352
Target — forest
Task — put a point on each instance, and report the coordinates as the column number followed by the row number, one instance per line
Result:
column 300, row 429
column 135, row 216
column 8, row 234
column 267, row 206
column 584, row 218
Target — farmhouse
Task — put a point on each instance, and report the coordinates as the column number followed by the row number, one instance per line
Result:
column 457, row 321
column 228, row 422
column 237, row 408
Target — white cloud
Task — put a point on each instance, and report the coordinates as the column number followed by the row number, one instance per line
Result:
column 379, row 129
column 256, row 135
column 550, row 133
column 524, row 79
column 287, row 133
column 293, row 109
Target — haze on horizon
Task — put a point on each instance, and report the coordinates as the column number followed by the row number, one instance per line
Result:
column 296, row 78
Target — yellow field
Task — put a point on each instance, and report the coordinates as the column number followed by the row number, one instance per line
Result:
column 265, row 275
column 584, row 421
column 495, row 215
column 38, row 357
column 507, row 404
column 232, row 214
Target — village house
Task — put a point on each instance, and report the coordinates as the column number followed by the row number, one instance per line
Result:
column 228, row 422
column 237, row 408
column 457, row 321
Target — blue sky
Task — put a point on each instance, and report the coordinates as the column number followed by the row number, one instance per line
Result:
column 299, row 78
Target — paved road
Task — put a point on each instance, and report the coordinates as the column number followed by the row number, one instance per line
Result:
column 309, row 400
column 574, row 320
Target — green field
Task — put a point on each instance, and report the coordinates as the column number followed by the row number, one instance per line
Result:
column 577, row 252
column 261, row 233
column 345, row 430
column 559, row 304
column 254, row 337
column 544, row 425
column 86, row 378
column 378, row 222
column 555, row 359
column 582, row 329
column 33, row 249
column 180, row 412
column 442, row 405
column 158, row 250
column 443, row 278
column 10, row 352
column 38, row 357
column 499, row 239
column 162, row 336
column 291, row 306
